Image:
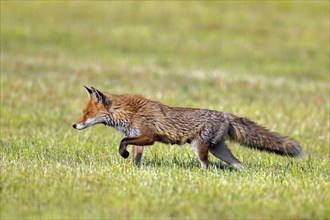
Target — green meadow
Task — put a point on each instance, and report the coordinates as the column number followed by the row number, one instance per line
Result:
column 268, row 61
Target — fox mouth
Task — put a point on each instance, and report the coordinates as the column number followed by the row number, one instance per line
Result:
column 88, row 123
column 80, row 126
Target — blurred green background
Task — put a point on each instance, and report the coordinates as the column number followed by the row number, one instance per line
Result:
column 268, row 61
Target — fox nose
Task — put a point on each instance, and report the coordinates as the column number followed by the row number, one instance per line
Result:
column 74, row 126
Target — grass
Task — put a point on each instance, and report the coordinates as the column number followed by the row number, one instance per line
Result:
column 267, row 61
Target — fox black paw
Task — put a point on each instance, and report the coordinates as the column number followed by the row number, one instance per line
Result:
column 125, row 154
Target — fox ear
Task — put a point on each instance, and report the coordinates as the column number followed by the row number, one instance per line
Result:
column 88, row 90
column 100, row 96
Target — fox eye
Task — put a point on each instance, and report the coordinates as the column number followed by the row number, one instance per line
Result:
column 88, row 113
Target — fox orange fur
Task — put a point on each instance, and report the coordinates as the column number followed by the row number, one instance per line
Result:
column 144, row 122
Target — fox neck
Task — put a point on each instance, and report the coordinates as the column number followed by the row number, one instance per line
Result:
column 121, row 123
column 110, row 120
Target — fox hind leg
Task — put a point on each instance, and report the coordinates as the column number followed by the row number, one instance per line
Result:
column 137, row 154
column 221, row 151
column 201, row 151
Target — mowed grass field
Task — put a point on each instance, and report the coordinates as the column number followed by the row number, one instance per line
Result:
column 268, row 61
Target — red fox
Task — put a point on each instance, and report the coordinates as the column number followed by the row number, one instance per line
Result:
column 144, row 122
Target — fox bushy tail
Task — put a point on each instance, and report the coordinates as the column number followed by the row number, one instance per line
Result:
column 248, row 133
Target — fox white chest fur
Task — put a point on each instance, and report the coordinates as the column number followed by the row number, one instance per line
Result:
column 122, row 126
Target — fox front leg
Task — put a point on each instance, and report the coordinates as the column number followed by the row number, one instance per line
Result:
column 122, row 149
column 142, row 140
column 137, row 154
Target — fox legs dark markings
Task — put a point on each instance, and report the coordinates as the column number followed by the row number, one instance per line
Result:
column 142, row 140
column 221, row 151
column 137, row 154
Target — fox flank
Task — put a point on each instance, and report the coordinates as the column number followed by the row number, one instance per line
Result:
column 145, row 122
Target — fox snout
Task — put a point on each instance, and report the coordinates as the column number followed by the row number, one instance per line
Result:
column 79, row 126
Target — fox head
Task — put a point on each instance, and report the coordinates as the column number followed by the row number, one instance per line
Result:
column 96, row 110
